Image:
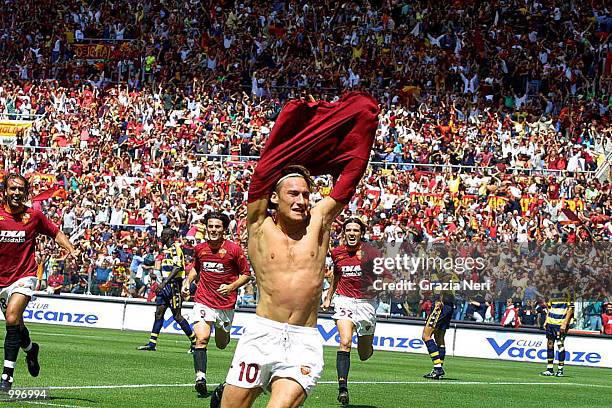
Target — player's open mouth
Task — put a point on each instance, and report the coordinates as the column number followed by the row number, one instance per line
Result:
column 16, row 199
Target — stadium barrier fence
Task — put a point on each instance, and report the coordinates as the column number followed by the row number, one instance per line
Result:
column 400, row 335
column 387, row 165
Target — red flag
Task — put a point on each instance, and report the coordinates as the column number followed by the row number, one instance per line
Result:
column 567, row 216
column 51, row 193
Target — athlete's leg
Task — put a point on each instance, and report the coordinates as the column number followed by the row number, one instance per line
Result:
column 30, row 348
column 178, row 317
column 364, row 346
column 237, row 397
column 222, row 337
column 158, row 322
column 550, row 355
column 343, row 356
column 14, row 315
column 201, row 330
column 286, row 393
column 434, row 352
column 439, row 338
column 432, row 347
column 561, row 348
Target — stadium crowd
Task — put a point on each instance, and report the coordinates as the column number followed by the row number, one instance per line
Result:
column 164, row 127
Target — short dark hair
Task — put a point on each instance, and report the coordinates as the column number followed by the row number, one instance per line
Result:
column 297, row 170
column 354, row 220
column 217, row 216
column 16, row 176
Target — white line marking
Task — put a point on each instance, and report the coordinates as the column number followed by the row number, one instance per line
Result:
column 53, row 405
column 442, row 382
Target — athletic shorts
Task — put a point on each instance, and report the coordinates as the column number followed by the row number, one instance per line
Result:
column 269, row 349
column 553, row 332
column 170, row 295
column 222, row 319
column 440, row 316
column 362, row 312
column 25, row 286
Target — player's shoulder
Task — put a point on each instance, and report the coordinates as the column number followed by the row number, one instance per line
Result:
column 33, row 214
column 232, row 246
column 200, row 248
column 338, row 251
column 370, row 250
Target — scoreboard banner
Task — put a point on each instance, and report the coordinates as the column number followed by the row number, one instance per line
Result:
column 490, row 343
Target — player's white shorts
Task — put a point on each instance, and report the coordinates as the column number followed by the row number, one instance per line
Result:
column 362, row 312
column 270, row 349
column 25, row 286
column 222, row 319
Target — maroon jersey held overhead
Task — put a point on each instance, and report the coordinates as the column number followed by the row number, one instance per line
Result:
column 18, row 234
column 356, row 271
column 217, row 267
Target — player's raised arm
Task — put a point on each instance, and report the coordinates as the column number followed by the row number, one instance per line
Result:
column 256, row 212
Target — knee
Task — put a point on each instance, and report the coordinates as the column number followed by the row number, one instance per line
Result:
column 345, row 344
column 178, row 317
column 12, row 319
column 201, row 342
column 426, row 336
column 159, row 314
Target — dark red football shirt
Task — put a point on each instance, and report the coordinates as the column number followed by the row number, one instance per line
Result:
column 18, row 234
column 217, row 267
column 328, row 138
column 356, row 271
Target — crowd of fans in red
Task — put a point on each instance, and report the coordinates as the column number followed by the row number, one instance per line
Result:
column 495, row 118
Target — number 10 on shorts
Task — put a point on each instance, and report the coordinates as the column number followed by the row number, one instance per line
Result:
column 248, row 372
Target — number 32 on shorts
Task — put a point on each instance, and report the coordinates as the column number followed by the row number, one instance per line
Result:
column 248, row 372
column 346, row 313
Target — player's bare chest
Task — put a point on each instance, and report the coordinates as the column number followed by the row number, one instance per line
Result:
column 278, row 247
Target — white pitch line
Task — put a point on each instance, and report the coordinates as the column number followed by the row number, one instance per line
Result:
column 110, row 387
column 447, row 382
column 435, row 383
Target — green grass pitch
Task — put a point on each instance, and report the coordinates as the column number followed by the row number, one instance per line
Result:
column 78, row 359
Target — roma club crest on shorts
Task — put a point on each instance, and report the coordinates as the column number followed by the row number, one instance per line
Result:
column 2, row 218
column 305, row 370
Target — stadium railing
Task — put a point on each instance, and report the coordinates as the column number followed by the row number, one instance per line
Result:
column 387, row 165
